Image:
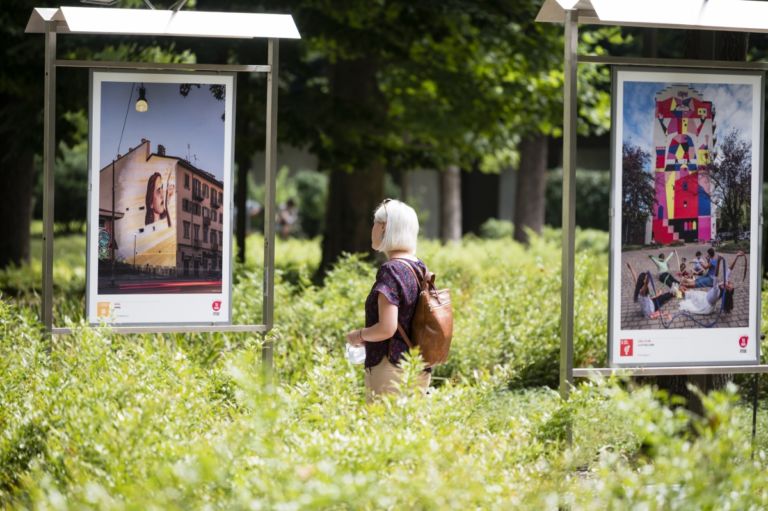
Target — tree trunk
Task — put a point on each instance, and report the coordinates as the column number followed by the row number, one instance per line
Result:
column 706, row 45
column 356, row 184
column 450, row 204
column 531, row 186
column 352, row 198
column 650, row 42
column 241, row 197
column 16, row 178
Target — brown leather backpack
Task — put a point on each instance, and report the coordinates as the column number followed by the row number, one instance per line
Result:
column 432, row 324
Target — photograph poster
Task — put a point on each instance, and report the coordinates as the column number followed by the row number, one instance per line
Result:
column 685, row 238
column 160, row 173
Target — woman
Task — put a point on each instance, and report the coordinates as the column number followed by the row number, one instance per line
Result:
column 392, row 299
column 155, row 200
column 649, row 305
column 705, row 302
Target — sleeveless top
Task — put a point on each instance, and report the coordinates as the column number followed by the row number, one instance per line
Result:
column 401, row 288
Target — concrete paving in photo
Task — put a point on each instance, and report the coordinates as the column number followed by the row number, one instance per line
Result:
column 631, row 315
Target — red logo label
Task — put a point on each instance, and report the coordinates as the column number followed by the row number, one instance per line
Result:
column 743, row 341
column 626, row 348
column 216, row 305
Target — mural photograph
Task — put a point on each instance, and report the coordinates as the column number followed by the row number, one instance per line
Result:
column 161, row 162
column 686, row 174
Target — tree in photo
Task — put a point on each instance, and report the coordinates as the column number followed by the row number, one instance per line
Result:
column 731, row 177
column 637, row 193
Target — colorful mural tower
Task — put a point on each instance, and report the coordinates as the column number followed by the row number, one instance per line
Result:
column 683, row 136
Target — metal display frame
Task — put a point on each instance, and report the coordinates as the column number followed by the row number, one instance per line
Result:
column 51, row 22
column 570, row 13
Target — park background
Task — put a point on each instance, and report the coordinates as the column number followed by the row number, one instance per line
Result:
column 453, row 106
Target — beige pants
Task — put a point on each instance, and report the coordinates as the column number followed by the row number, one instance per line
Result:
column 381, row 379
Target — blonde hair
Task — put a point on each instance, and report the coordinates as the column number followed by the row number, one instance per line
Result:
column 402, row 230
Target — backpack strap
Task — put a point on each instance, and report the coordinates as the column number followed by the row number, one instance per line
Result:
column 420, row 283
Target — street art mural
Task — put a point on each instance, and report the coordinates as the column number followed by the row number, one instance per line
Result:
column 683, row 136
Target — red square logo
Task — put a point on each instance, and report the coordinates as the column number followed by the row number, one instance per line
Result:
column 626, row 348
column 743, row 341
column 216, row 305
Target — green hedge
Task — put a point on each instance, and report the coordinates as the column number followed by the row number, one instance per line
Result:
column 97, row 421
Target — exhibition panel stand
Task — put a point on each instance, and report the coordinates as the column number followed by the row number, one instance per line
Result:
column 731, row 15
column 175, row 23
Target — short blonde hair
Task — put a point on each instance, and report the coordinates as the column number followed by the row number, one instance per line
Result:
column 402, row 229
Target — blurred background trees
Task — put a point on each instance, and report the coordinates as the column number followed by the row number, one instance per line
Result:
column 373, row 97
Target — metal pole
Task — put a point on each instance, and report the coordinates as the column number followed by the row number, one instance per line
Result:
column 269, row 201
column 49, row 157
column 569, row 204
column 112, row 234
column 754, row 411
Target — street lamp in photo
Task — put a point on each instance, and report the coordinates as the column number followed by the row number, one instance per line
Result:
column 142, row 105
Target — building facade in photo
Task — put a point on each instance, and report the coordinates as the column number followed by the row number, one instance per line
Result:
column 160, row 214
column 683, row 136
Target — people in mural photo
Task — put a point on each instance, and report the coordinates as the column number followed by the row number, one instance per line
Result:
column 157, row 199
column 650, row 303
column 710, row 268
column 705, row 302
column 683, row 273
column 665, row 277
column 686, row 182
column 698, row 264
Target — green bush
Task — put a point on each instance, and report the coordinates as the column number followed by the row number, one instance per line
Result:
column 593, row 192
column 312, row 190
column 496, row 229
column 99, row 421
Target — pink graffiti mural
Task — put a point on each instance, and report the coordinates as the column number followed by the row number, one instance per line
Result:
column 682, row 133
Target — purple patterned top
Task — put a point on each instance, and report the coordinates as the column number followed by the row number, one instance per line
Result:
column 400, row 287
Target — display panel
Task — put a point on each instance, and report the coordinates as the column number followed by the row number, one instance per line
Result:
column 159, row 223
column 685, row 236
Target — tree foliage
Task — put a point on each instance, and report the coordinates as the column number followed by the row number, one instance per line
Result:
column 637, row 192
column 731, row 176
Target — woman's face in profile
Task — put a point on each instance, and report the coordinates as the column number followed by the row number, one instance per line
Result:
column 158, row 198
column 377, row 235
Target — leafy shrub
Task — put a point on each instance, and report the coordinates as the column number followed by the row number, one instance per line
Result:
column 312, row 190
column 495, row 229
column 593, row 189
column 103, row 421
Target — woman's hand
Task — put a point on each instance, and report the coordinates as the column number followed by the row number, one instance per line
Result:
column 354, row 338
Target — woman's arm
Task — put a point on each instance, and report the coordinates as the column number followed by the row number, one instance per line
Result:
column 632, row 271
column 735, row 259
column 381, row 331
